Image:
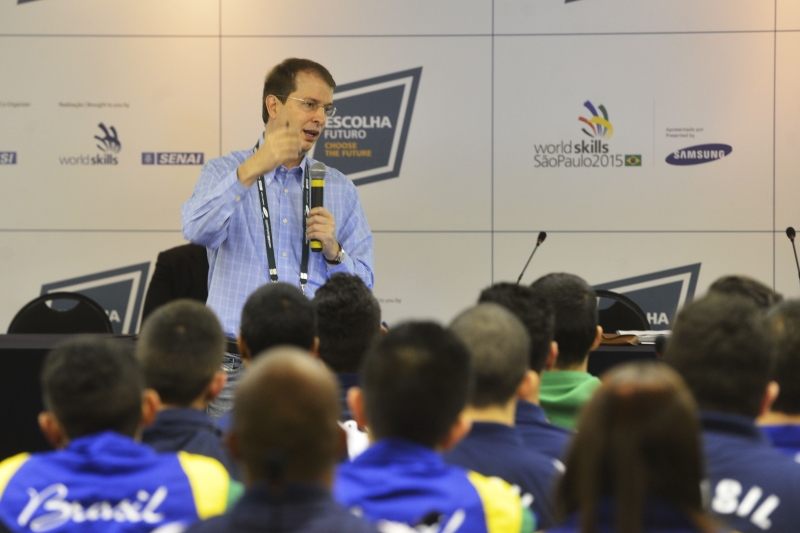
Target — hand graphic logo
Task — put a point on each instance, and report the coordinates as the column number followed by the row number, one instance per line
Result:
column 110, row 143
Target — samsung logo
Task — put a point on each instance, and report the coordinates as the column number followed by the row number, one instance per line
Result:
column 173, row 158
column 702, row 153
column 8, row 158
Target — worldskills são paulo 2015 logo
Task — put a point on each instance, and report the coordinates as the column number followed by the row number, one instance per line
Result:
column 108, row 145
column 594, row 153
column 366, row 138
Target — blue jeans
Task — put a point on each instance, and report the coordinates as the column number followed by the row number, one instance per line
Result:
column 233, row 367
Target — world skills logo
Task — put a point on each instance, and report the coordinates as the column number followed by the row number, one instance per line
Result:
column 8, row 158
column 659, row 294
column 366, row 138
column 119, row 291
column 599, row 127
column 580, row 153
column 108, row 145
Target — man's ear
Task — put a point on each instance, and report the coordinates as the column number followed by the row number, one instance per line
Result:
column 315, row 347
column 770, row 395
column 355, row 401
column 552, row 357
column 598, row 338
column 244, row 352
column 272, row 102
column 151, row 403
column 458, row 431
column 52, row 430
column 527, row 385
column 215, row 387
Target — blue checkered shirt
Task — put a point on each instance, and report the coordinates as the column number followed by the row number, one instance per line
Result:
column 225, row 216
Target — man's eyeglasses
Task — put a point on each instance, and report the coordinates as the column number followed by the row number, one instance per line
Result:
column 311, row 106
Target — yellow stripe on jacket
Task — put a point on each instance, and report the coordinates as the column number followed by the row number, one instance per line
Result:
column 210, row 483
column 501, row 505
column 9, row 467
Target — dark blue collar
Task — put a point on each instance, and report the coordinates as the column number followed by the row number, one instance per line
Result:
column 718, row 421
column 528, row 412
column 393, row 451
column 183, row 417
column 495, row 433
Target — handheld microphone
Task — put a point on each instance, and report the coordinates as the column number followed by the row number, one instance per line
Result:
column 317, row 173
column 539, row 240
column 790, row 233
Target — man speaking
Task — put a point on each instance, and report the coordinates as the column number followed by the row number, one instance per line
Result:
column 252, row 209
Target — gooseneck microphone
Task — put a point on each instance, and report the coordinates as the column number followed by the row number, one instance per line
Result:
column 317, row 173
column 790, row 233
column 539, row 240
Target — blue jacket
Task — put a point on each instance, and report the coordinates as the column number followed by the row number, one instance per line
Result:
column 786, row 438
column 532, row 425
column 189, row 430
column 304, row 508
column 497, row 450
column 401, row 481
column 753, row 487
column 107, row 482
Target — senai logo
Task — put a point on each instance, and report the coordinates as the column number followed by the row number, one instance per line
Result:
column 594, row 153
column 702, row 153
column 108, row 145
column 367, row 137
column 119, row 291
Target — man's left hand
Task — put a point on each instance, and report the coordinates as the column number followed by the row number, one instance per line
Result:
column 320, row 226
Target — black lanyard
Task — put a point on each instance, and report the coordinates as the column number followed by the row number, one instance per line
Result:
column 262, row 195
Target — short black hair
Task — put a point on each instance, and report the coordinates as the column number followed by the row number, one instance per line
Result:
column 280, row 81
column 575, row 306
column 416, row 381
column 93, row 384
column 752, row 289
column 499, row 346
column 784, row 325
column 720, row 345
column 275, row 314
column 348, row 320
column 180, row 349
column 536, row 314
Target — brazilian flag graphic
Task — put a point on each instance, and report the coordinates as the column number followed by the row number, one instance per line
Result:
column 633, row 160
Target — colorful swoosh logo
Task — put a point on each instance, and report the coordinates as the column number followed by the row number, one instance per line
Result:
column 599, row 126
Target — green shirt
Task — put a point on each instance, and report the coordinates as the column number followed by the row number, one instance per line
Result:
column 563, row 393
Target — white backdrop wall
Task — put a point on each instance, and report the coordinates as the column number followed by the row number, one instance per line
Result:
column 503, row 83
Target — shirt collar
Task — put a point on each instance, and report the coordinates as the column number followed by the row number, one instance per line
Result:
column 529, row 412
column 731, row 423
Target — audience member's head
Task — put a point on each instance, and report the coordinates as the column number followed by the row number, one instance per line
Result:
column 755, row 291
column 784, row 325
column 575, row 306
column 637, row 441
column 180, row 349
column 90, row 385
column 415, row 382
column 277, row 314
column 348, row 320
column 535, row 312
column 499, row 348
column 286, row 419
column 720, row 345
